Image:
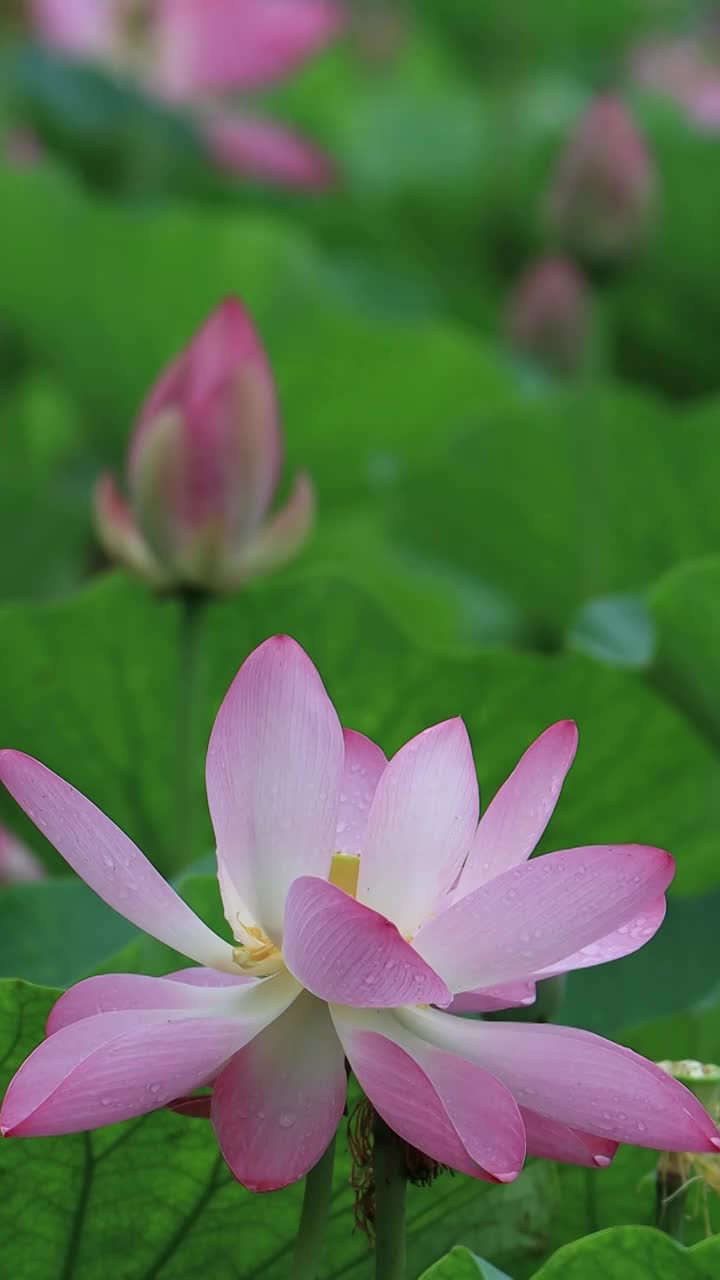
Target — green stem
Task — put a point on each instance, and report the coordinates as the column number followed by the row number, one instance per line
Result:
column 311, row 1231
column 672, row 1194
column 192, row 611
column 390, row 1186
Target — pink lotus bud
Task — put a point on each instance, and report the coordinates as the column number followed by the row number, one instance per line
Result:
column 548, row 315
column 17, row 863
column 601, row 198
column 204, row 466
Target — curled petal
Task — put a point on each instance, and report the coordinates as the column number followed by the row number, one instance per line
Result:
column 420, row 825
column 278, row 1102
column 251, row 148
column 274, row 766
column 553, row 1141
column 119, row 535
column 515, row 819
column 277, row 541
column 535, row 914
column 577, row 1079
column 347, row 953
column 438, row 1102
column 108, row 861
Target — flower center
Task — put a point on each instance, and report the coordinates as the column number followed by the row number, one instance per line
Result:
column 255, row 953
column 344, row 872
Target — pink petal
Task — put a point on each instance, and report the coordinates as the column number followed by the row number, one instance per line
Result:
column 252, row 148
column 236, row 45
column 277, row 1104
column 84, row 28
column 516, row 818
column 628, row 938
column 109, row 861
column 120, row 992
column 553, row 1141
column 537, row 913
column 197, row 1107
column 578, row 1079
column 420, row 825
column 110, row 1066
column 277, row 541
column 345, row 952
column 119, row 535
column 114, row 1066
column 274, row 767
column 364, row 764
column 512, row 996
column 405, row 1097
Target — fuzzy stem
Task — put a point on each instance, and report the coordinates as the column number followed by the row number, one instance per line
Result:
column 672, row 1194
column 192, row 612
column 390, row 1185
column 311, row 1231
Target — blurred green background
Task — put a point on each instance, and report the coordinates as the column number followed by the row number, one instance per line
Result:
column 493, row 539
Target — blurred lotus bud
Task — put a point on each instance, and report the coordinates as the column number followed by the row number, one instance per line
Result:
column 548, row 315
column 17, row 863
column 203, row 469
column 602, row 194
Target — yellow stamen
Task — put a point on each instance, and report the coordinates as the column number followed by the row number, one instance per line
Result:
column 344, row 872
column 256, row 954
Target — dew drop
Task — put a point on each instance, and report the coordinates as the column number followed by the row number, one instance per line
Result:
column 287, row 1119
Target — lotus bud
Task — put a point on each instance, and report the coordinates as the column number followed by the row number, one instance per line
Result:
column 548, row 315
column 602, row 195
column 203, row 469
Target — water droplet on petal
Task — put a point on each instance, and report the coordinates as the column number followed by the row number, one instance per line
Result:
column 287, row 1119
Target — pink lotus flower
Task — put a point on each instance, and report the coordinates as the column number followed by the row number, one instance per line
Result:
column 548, row 316
column 17, row 863
column 602, row 195
column 364, row 899
column 204, row 466
column 196, row 51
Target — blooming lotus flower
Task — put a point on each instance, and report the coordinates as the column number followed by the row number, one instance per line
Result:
column 548, row 316
column 193, row 52
column 366, row 904
column 602, row 195
column 203, row 468
column 17, row 863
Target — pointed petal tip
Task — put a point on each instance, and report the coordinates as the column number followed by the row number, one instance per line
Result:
column 715, row 1142
column 507, row 1177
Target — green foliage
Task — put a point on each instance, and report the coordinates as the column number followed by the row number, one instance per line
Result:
column 624, row 1253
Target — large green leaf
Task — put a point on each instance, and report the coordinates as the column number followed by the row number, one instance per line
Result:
column 44, row 477
column 156, row 1194
column 56, row 931
column 578, row 494
column 624, row 1253
column 686, row 607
